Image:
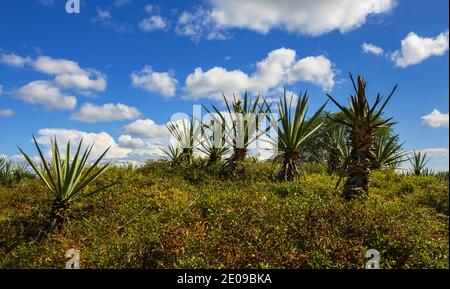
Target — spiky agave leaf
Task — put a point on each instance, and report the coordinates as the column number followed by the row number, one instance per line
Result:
column 66, row 179
column 213, row 143
column 173, row 154
column 293, row 131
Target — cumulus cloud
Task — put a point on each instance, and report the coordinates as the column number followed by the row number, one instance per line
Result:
column 130, row 142
column 6, row 112
column 298, row 16
column 146, row 128
column 153, row 22
column 416, row 49
column 280, row 67
column 162, row 83
column 69, row 74
column 102, row 141
column 14, row 60
column 197, row 25
column 107, row 112
column 436, row 119
column 45, row 93
column 372, row 49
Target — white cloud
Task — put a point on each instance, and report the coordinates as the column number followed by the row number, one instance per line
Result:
column 45, row 93
column 107, row 112
column 197, row 25
column 1, row 89
column 70, row 75
column 370, row 48
column 416, row 49
column 146, row 128
column 102, row 141
column 14, row 60
column 5, row 112
column 277, row 69
column 120, row 3
column 152, row 23
column 105, row 19
column 310, row 17
column 436, row 119
column 157, row 82
column 130, row 142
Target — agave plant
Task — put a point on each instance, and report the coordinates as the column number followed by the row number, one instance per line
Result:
column 186, row 135
column 362, row 120
column 293, row 131
column 418, row 161
column 338, row 149
column 246, row 118
column 11, row 174
column 388, row 152
column 66, row 179
column 214, row 144
column 173, row 154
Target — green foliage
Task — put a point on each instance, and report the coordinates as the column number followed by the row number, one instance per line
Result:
column 418, row 161
column 64, row 178
column 11, row 174
column 293, row 131
column 388, row 152
column 187, row 217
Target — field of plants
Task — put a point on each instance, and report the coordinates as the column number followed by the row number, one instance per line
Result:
column 333, row 190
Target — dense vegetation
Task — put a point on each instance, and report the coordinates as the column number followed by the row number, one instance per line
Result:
column 188, row 217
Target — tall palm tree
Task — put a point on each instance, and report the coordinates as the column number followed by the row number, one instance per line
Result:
column 362, row 121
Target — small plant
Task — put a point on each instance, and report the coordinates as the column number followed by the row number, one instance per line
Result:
column 418, row 162
column 65, row 179
column 214, row 145
column 12, row 174
column 338, row 149
column 173, row 154
column 246, row 118
column 388, row 151
column 294, row 130
column 186, row 134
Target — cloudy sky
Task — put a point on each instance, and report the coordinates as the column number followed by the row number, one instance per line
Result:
column 116, row 72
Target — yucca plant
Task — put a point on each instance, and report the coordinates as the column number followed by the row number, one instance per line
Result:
column 362, row 121
column 11, row 174
column 388, row 151
column 66, row 179
column 418, row 161
column 213, row 143
column 186, row 135
column 246, row 117
column 338, row 149
column 293, row 131
column 173, row 154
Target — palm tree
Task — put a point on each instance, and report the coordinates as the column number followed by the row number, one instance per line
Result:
column 362, row 120
column 293, row 132
column 418, row 162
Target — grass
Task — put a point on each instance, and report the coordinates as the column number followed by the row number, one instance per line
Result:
column 188, row 217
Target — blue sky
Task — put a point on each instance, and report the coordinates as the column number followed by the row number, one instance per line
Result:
column 117, row 71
